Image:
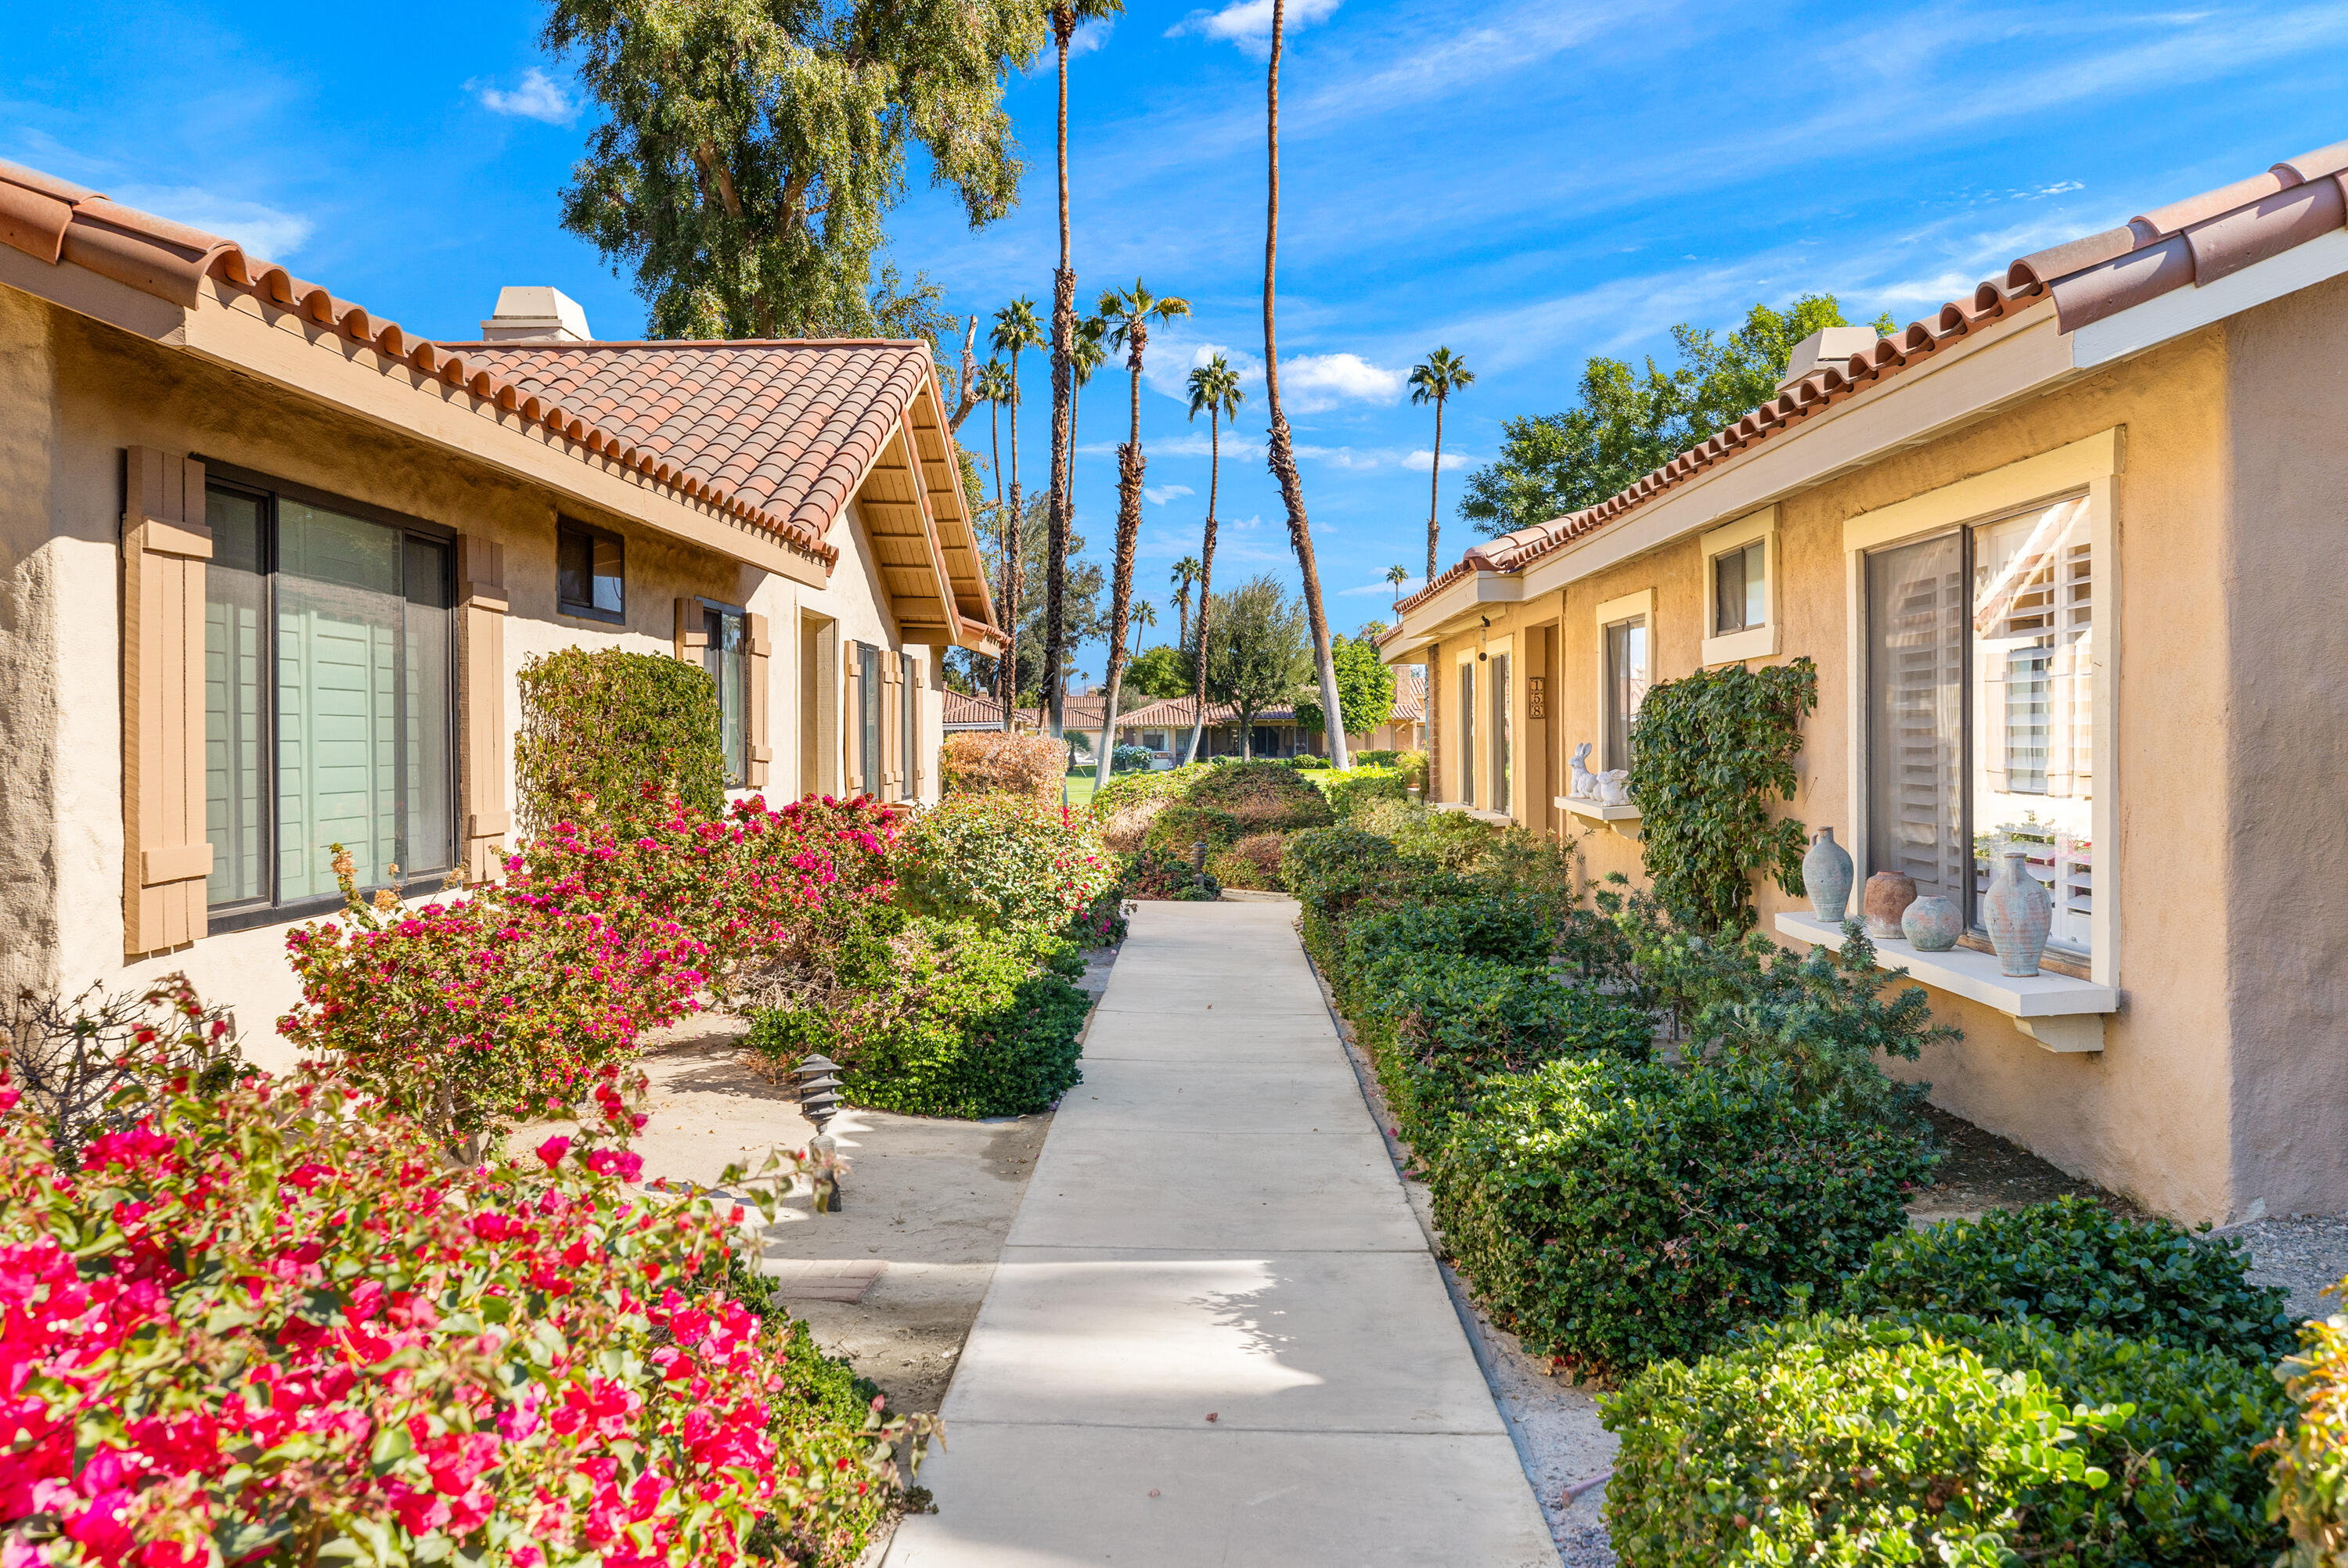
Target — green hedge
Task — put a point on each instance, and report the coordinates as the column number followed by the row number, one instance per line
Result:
column 1883, row 1442
column 603, row 724
column 1616, row 1212
column 2078, row 1266
column 1178, row 827
column 1348, row 793
column 952, row 1020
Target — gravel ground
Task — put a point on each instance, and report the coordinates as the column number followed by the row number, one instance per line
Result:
column 2307, row 1254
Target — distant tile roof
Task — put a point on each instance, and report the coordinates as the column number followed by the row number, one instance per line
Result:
column 1410, row 695
column 2194, row 241
column 965, row 712
column 776, row 435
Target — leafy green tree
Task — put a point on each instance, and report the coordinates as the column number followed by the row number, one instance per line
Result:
column 1215, row 391
column 1258, row 653
column 1087, row 587
column 1159, row 673
column 1625, row 424
column 750, row 149
column 1365, row 688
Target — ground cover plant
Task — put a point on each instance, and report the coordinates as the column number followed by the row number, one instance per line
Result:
column 271, row 1324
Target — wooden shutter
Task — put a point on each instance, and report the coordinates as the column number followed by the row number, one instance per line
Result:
column 1917, row 621
column 762, row 749
column 692, row 632
column 166, row 856
column 481, row 737
column 852, row 728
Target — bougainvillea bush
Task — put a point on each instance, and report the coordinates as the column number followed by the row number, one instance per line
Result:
column 2311, row 1454
column 274, row 1325
column 1002, row 860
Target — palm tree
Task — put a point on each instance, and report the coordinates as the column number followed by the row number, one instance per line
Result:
column 1279, row 453
column 1443, row 373
column 1066, row 15
column 1397, row 575
column 1185, row 574
column 1215, row 390
column 1144, row 617
column 1128, row 312
column 1015, row 328
column 1087, row 355
column 993, row 385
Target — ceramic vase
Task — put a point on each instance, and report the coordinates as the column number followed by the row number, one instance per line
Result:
column 1826, row 874
column 1932, row 924
column 1888, row 894
column 2019, row 913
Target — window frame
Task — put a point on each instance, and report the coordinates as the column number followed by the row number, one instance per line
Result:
column 1759, row 642
column 908, row 721
column 2087, row 469
column 871, row 718
column 565, row 524
column 1613, row 612
column 1467, row 695
column 713, row 660
column 253, row 914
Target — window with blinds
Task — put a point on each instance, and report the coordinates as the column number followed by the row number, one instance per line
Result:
column 1501, row 732
column 1981, row 710
column 909, row 688
column 1467, row 734
column 329, row 702
column 727, row 656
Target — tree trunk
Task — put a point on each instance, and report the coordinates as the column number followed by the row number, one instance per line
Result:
column 1206, row 581
column 1010, row 677
column 1432, row 709
column 1131, row 469
column 1064, row 337
column 1433, row 489
column 1279, row 453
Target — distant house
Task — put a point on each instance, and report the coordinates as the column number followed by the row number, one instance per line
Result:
column 2064, row 555
column 270, row 566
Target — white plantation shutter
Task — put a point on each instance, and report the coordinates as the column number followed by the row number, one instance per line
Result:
column 1915, row 676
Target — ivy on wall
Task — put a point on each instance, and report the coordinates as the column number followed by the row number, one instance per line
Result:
column 1708, row 754
column 603, row 724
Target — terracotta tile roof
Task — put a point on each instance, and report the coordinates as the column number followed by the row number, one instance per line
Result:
column 1410, row 695
column 2194, row 241
column 963, row 711
column 772, row 433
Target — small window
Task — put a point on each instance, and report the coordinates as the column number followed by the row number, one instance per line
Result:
column 589, row 569
column 1740, row 589
column 1626, row 685
column 728, row 659
column 1501, row 732
column 1467, row 734
column 868, row 729
column 909, row 700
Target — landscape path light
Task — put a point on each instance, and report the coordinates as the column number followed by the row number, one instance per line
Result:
column 819, row 1102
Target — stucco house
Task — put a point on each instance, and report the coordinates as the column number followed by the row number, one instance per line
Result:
column 270, row 566
column 2062, row 554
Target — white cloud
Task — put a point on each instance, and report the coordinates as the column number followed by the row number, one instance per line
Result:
column 1313, row 381
column 1248, row 23
column 1093, row 35
column 539, row 98
column 1410, row 585
column 261, row 230
column 1159, row 494
column 1421, row 460
column 1339, row 457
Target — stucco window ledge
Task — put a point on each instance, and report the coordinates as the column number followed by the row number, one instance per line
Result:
column 2055, row 1011
column 1496, row 818
column 1623, row 819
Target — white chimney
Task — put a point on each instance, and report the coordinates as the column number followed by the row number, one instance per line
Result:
column 1828, row 345
column 536, row 314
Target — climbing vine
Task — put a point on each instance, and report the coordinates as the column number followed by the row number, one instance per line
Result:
column 1708, row 754
column 604, row 723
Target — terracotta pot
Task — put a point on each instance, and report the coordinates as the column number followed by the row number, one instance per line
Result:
column 1932, row 924
column 1826, row 874
column 2019, row 913
column 1888, row 894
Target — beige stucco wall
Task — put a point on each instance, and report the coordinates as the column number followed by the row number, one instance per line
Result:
column 78, row 393
column 2166, row 1112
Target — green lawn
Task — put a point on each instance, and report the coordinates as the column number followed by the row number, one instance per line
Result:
column 1080, row 788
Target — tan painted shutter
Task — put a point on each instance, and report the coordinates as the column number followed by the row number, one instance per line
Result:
column 851, row 727
column 692, row 633
column 482, row 740
column 762, row 749
column 165, row 854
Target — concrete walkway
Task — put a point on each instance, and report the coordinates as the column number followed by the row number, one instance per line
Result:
column 1216, row 1337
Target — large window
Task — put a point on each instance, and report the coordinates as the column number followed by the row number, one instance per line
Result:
column 1981, row 701
column 1466, row 732
column 727, row 657
column 329, row 664
column 1501, row 731
column 1626, row 685
column 868, row 720
column 590, row 571
column 909, row 700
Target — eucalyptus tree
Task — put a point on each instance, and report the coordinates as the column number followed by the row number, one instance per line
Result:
column 746, row 152
column 1184, row 576
column 1065, row 16
column 1279, row 451
column 1015, row 328
column 1444, row 373
column 1215, row 391
column 1128, row 312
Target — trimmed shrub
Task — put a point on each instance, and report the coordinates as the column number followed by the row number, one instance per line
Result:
column 1263, row 797
column 1001, row 860
column 947, row 1019
column 989, row 762
column 1615, row 1212
column 1842, row 1445
column 1437, row 1025
column 1329, row 868
column 2311, row 1456
column 1827, row 1431
column 1129, row 758
column 1252, row 862
column 1348, row 793
column 1148, row 874
column 599, row 725
column 1450, row 839
column 1126, row 790
column 1505, row 927
column 2076, row 1265
column 1178, row 826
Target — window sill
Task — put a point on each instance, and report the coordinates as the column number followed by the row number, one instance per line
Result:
column 2055, row 1011
column 1613, row 816
column 1760, row 642
column 1496, row 818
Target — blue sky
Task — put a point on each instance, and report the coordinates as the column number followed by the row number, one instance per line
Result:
column 1528, row 184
